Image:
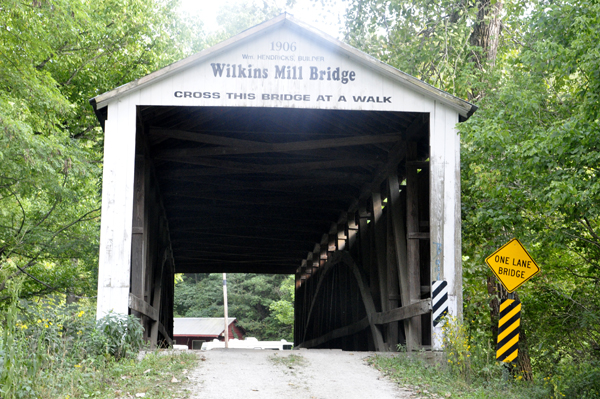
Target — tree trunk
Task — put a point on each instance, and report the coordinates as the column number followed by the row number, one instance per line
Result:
column 486, row 32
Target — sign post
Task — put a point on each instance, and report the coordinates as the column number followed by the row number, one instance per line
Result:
column 513, row 266
column 225, row 310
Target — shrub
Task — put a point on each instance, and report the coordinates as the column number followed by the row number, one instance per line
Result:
column 117, row 335
column 457, row 347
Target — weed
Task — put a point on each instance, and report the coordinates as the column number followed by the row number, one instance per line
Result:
column 289, row 361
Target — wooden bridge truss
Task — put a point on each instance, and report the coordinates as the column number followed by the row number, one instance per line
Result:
column 361, row 286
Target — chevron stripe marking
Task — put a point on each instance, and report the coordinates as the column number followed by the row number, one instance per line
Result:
column 508, row 330
column 438, row 286
column 515, row 325
column 439, row 300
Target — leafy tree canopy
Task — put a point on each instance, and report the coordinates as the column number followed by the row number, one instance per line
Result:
column 252, row 298
column 54, row 56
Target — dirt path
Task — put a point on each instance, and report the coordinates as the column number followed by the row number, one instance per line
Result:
column 304, row 374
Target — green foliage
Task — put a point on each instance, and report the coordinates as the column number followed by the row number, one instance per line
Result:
column 431, row 379
column 54, row 56
column 49, row 348
column 117, row 335
column 283, row 309
column 530, row 170
column 426, row 39
column 456, row 347
column 250, row 297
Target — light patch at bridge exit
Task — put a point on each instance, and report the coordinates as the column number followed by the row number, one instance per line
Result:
column 512, row 265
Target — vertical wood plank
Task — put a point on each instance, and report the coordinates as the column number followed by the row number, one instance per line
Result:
column 397, row 205
column 380, row 242
column 332, row 239
column 341, row 232
column 363, row 226
column 117, row 206
column 444, row 175
column 156, row 301
column 412, row 226
column 392, row 278
column 324, row 246
column 380, row 249
column 352, row 228
column 316, row 257
column 138, row 228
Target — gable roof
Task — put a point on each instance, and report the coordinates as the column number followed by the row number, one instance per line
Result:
column 213, row 326
column 463, row 107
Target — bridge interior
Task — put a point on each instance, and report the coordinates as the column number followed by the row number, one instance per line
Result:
column 338, row 198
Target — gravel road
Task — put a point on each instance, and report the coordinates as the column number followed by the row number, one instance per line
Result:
column 302, row 374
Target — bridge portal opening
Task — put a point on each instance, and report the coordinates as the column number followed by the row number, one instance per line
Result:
column 280, row 191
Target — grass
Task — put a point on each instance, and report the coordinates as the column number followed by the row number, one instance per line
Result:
column 159, row 375
column 290, row 361
column 437, row 381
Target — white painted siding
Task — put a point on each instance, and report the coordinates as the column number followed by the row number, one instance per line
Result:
column 117, row 207
column 445, row 208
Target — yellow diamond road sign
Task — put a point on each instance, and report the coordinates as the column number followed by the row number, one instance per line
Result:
column 512, row 265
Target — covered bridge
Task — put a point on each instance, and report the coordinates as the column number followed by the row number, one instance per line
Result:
column 283, row 150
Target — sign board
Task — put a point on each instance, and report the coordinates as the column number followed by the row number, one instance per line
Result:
column 282, row 64
column 512, row 265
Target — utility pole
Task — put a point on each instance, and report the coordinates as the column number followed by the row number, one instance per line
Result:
column 225, row 310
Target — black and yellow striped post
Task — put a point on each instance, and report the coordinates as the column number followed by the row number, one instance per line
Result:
column 508, row 330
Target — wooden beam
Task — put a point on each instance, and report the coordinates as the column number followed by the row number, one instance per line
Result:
column 352, row 227
column 397, row 206
column 406, row 312
column 247, row 167
column 141, row 306
column 337, row 333
column 412, row 247
column 138, row 255
column 165, row 334
column 392, row 278
column 231, row 146
column 253, row 198
column 316, row 258
column 288, row 186
column 157, row 298
column 234, row 268
column 320, row 176
column 324, row 245
column 332, row 240
column 184, row 243
column 342, row 237
column 380, row 247
column 418, row 236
